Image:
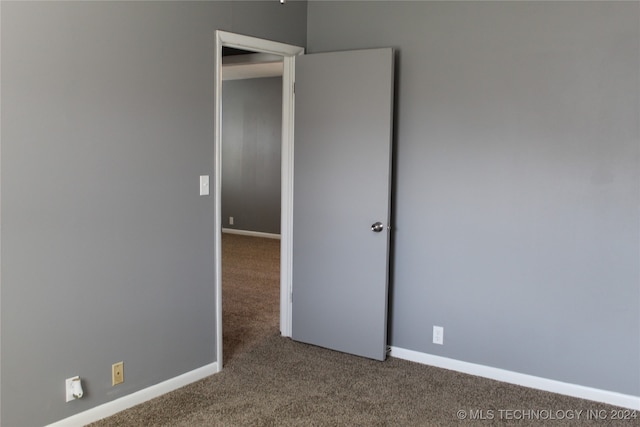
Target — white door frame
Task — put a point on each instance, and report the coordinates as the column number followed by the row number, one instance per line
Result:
column 288, row 53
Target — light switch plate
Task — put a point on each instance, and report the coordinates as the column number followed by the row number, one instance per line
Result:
column 204, row 185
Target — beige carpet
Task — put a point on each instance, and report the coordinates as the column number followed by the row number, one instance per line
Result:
column 250, row 292
column 273, row 381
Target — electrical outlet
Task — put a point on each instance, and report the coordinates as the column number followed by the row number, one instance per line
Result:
column 117, row 373
column 438, row 335
column 230, row 220
column 68, row 385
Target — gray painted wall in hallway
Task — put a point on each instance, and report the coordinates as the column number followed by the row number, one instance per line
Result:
column 251, row 152
column 517, row 180
column 107, row 249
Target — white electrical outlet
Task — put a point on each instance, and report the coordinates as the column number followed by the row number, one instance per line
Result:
column 69, row 388
column 230, row 220
column 438, row 335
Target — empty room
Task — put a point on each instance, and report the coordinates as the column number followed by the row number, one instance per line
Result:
column 458, row 230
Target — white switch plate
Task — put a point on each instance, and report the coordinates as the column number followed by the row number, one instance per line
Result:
column 438, row 335
column 230, row 220
column 204, row 185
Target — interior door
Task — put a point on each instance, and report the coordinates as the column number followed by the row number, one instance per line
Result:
column 341, row 203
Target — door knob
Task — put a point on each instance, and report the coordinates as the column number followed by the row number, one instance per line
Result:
column 377, row 227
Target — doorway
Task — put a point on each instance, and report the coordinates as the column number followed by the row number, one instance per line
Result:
column 251, row 169
column 288, row 53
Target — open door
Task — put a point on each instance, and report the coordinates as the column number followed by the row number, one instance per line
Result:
column 341, row 203
column 337, row 224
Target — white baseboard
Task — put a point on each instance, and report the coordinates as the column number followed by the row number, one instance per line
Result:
column 573, row 390
column 251, row 233
column 125, row 402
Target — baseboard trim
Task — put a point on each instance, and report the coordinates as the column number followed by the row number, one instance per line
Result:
column 251, row 233
column 573, row 390
column 125, row 402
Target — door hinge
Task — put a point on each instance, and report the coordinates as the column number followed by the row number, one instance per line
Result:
column 291, row 297
column 294, row 87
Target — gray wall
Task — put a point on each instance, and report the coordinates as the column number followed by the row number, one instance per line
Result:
column 517, row 180
column 251, row 146
column 107, row 249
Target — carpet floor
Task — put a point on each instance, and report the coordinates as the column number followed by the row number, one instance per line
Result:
column 269, row 380
column 250, row 292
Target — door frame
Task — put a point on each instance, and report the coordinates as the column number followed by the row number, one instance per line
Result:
column 288, row 53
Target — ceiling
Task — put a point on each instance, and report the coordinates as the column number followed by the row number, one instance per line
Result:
column 238, row 64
